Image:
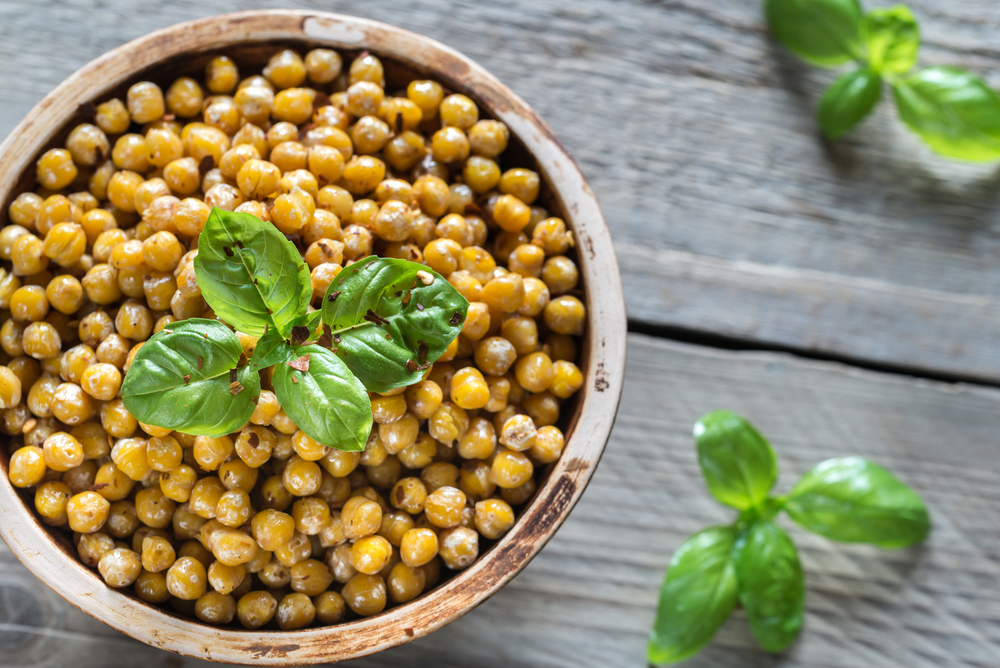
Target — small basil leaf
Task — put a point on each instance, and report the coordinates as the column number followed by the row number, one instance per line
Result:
column 854, row 500
column 326, row 401
column 770, row 583
column 847, row 101
column 822, row 32
column 698, row 594
column 737, row 461
column 387, row 324
column 271, row 349
column 250, row 274
column 954, row 111
column 892, row 36
column 180, row 379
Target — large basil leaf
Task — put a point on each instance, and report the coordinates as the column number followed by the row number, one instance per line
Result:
column 698, row 594
column 387, row 324
column 737, row 461
column 770, row 583
column 892, row 36
column 954, row 111
column 180, row 379
column 848, row 100
column 822, row 32
column 250, row 274
column 271, row 349
column 854, row 500
column 326, row 400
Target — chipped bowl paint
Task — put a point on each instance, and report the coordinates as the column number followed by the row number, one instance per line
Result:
column 249, row 38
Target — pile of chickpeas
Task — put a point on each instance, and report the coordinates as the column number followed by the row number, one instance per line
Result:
column 266, row 526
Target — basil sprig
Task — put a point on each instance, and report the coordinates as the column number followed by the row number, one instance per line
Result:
column 382, row 324
column 754, row 561
column 955, row 112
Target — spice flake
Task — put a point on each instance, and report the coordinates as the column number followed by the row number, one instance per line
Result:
column 372, row 316
column 326, row 339
column 299, row 335
column 300, row 364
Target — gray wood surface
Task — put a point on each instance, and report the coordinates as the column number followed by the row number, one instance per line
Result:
column 730, row 214
column 588, row 599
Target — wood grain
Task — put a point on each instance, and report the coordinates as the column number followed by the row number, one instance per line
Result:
column 588, row 599
column 697, row 133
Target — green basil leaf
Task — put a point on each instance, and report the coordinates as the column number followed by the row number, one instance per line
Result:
column 954, row 111
column 737, row 461
column 250, row 274
column 698, row 594
column 180, row 379
column 271, row 349
column 847, row 101
column 854, row 500
column 409, row 324
column 770, row 583
column 326, row 401
column 892, row 36
column 822, row 32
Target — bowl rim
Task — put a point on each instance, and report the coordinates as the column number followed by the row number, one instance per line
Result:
column 588, row 431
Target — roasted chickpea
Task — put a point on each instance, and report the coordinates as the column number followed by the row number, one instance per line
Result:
column 187, row 579
column 55, row 169
column 256, row 609
column 365, row 594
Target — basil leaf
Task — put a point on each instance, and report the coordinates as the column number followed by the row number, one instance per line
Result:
column 698, row 594
column 180, row 379
column 326, row 401
column 770, row 583
column 854, row 500
column 737, row 461
column 822, row 32
column 408, row 324
column 250, row 274
column 892, row 36
column 271, row 349
column 954, row 111
column 847, row 101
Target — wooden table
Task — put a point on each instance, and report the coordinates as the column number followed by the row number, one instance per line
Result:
column 837, row 295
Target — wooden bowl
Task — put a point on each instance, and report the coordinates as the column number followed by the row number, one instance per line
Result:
column 249, row 38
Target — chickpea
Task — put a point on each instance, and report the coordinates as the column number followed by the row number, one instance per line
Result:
column 120, row 567
column 56, row 169
column 87, row 512
column 565, row 315
column 488, row 138
column 256, row 609
column 365, row 594
column 51, row 500
column 361, row 517
column 187, row 579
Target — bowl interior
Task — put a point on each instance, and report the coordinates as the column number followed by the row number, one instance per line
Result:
column 251, row 55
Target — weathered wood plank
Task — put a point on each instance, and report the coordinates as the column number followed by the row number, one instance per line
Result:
column 588, row 599
column 875, row 320
column 696, row 131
